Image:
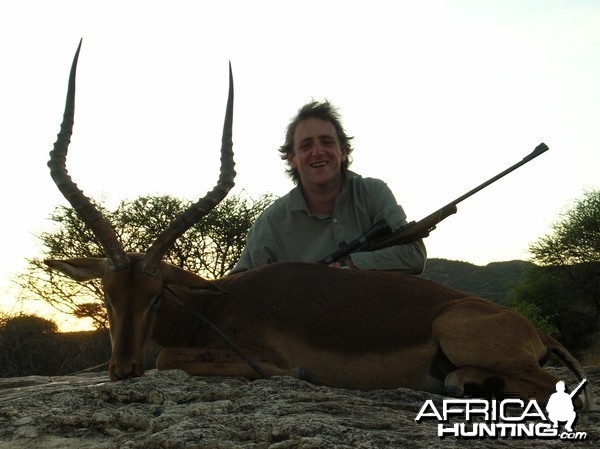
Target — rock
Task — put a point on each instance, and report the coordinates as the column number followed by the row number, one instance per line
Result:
column 169, row 409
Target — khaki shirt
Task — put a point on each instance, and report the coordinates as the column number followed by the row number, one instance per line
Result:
column 287, row 231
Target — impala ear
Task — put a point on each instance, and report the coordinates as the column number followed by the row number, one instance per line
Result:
column 188, row 281
column 80, row 268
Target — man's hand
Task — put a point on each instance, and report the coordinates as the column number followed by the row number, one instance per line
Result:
column 344, row 265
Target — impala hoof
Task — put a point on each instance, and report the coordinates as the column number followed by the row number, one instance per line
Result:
column 453, row 391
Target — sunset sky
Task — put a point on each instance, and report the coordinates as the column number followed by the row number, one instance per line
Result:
column 440, row 96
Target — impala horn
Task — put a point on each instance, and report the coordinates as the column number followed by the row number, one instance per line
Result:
column 81, row 204
column 204, row 205
column 95, row 220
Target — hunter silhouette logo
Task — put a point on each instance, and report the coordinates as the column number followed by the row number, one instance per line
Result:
column 560, row 406
column 509, row 418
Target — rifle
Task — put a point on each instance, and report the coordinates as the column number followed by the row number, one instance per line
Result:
column 381, row 235
column 574, row 392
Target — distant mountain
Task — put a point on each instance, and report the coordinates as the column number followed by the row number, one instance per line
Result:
column 493, row 281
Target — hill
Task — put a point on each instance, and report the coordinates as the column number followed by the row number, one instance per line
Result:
column 493, row 281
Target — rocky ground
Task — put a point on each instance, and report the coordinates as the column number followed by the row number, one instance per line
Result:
column 173, row 410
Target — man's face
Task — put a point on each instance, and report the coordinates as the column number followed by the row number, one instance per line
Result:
column 318, row 155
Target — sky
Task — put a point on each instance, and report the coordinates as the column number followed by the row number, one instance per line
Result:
column 439, row 96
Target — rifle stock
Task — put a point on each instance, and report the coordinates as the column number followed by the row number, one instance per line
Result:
column 414, row 230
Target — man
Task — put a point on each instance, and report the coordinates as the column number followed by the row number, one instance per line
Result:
column 329, row 206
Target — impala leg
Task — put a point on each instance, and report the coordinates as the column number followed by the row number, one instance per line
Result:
column 493, row 346
column 218, row 362
column 472, row 380
column 478, row 380
column 539, row 388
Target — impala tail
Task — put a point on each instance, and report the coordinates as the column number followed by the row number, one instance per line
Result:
column 560, row 352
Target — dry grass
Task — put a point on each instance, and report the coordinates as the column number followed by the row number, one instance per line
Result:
column 592, row 359
column 592, row 356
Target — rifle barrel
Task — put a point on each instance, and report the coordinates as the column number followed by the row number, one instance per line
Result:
column 574, row 392
column 541, row 148
column 427, row 224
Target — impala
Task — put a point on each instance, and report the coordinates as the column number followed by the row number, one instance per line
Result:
column 340, row 328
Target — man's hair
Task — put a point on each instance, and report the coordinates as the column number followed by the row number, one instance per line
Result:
column 323, row 111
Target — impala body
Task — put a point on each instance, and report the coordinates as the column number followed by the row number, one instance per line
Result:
column 341, row 328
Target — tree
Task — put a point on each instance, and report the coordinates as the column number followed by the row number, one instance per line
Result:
column 26, row 346
column 562, row 293
column 575, row 238
column 210, row 248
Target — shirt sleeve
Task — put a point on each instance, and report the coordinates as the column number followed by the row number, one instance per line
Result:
column 409, row 257
column 258, row 248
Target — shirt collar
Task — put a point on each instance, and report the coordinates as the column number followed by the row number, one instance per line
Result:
column 297, row 201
